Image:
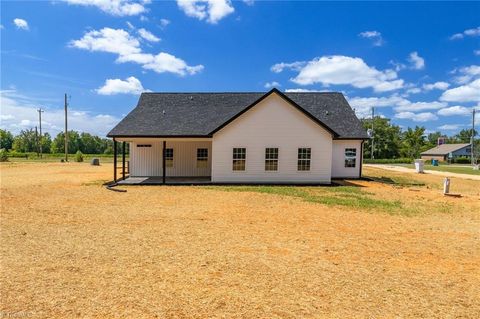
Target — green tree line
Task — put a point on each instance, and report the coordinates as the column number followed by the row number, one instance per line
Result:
column 29, row 141
column 390, row 141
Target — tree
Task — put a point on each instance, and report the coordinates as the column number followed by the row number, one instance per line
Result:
column 26, row 141
column 464, row 136
column 46, row 142
column 74, row 142
column 6, row 139
column 432, row 139
column 413, row 141
column 386, row 138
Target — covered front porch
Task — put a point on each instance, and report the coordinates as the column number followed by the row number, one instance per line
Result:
column 155, row 161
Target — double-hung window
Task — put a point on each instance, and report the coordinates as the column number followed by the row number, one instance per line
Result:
column 169, row 157
column 202, row 157
column 304, row 157
column 239, row 158
column 271, row 159
column 350, row 157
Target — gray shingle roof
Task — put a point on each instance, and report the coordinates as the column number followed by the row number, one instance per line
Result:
column 201, row 114
column 444, row 149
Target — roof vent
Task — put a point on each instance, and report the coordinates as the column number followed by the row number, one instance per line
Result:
column 191, row 97
column 163, row 112
column 326, row 112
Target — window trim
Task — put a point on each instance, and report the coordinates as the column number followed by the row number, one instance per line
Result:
column 245, row 160
column 202, row 159
column 144, row 145
column 271, row 159
column 349, row 157
column 173, row 157
column 309, row 159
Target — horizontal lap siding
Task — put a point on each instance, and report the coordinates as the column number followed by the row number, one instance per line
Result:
column 338, row 165
column 272, row 123
column 147, row 161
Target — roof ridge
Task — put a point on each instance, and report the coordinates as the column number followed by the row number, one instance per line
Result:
column 240, row 92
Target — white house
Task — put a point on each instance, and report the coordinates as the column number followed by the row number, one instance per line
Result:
column 273, row 137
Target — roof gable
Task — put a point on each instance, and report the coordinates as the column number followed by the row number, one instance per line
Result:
column 444, row 149
column 288, row 100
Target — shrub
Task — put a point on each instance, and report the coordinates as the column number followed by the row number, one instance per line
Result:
column 3, row 155
column 462, row 160
column 388, row 161
column 78, row 156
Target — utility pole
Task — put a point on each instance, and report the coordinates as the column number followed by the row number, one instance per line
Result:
column 36, row 138
column 473, row 137
column 373, row 118
column 66, row 130
column 40, row 111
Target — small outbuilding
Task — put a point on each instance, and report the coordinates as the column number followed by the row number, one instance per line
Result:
column 441, row 152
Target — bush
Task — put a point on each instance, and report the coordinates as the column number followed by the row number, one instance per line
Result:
column 462, row 160
column 3, row 155
column 78, row 156
column 388, row 161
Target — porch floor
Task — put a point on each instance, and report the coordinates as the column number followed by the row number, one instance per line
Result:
column 158, row 180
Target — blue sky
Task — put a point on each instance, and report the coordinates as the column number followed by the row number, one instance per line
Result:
column 417, row 63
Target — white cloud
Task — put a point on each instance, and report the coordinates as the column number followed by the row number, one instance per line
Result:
column 475, row 32
column 375, row 36
column 2, row 27
column 466, row 93
column 413, row 91
column 476, row 52
column 109, row 40
column 164, row 22
column 147, row 35
column 279, row 67
column 210, row 10
column 131, row 85
column 407, row 106
column 115, row 7
column 437, row 85
column 342, row 70
column 26, row 116
column 130, row 26
column 21, row 24
column 249, row 2
column 300, row 90
column 273, row 84
column 417, row 117
column 467, row 73
column 416, row 61
column 363, row 105
column 454, row 110
column 450, row 127
column 127, row 47
column 164, row 62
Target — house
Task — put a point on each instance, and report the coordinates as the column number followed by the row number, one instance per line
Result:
column 271, row 137
column 441, row 152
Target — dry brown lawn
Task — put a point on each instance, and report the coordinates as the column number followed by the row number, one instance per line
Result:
column 72, row 249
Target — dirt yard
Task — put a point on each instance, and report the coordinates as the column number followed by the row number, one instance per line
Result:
column 391, row 248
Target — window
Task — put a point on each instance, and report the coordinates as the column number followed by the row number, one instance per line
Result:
column 271, row 159
column 304, row 156
column 239, row 156
column 350, row 157
column 202, row 157
column 169, row 157
column 144, row 145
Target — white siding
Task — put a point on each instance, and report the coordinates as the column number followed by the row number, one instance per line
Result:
column 338, row 164
column 147, row 161
column 272, row 123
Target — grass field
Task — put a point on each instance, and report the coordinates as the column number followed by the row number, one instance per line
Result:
column 394, row 247
column 459, row 169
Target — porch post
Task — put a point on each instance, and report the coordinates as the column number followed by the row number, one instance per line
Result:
column 123, row 159
column 163, row 161
column 114, row 160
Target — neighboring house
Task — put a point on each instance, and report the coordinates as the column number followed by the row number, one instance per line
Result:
column 271, row 137
column 441, row 152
